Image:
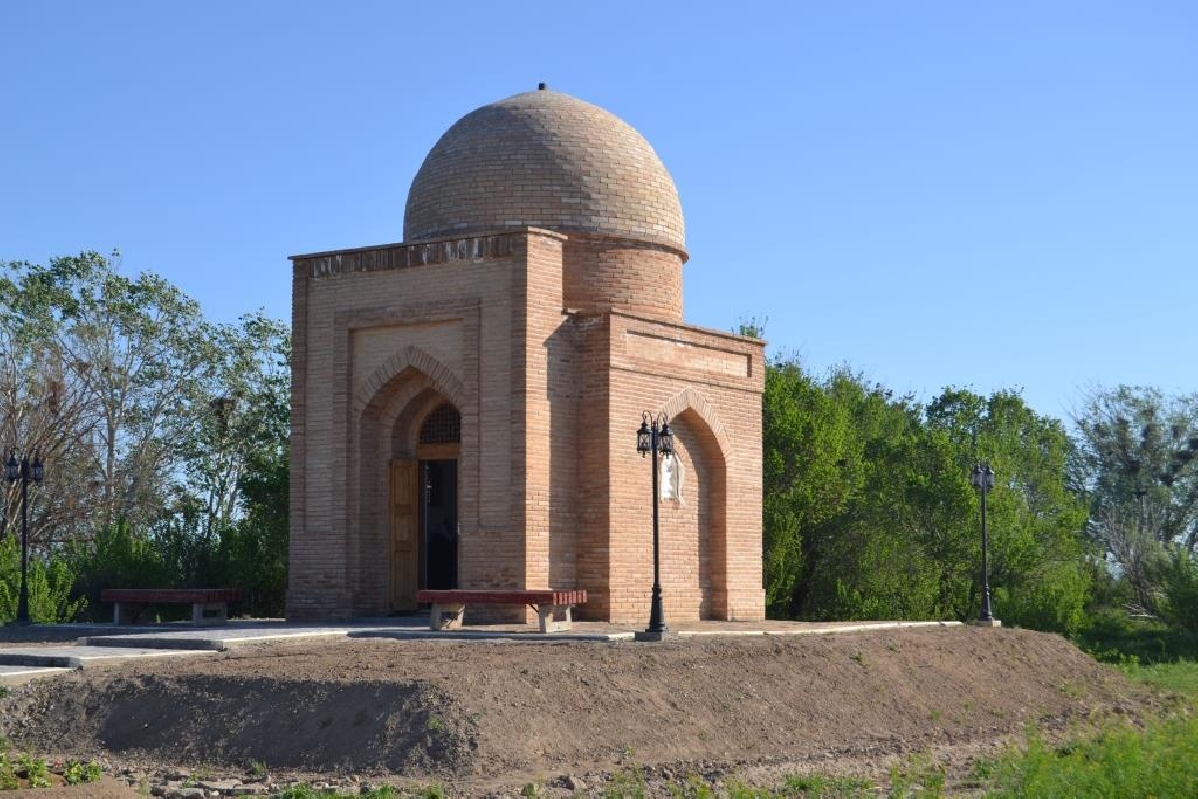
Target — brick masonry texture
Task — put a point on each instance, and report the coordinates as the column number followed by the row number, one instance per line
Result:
column 548, row 160
column 550, row 343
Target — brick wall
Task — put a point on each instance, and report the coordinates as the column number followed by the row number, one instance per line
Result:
column 602, row 273
column 551, row 490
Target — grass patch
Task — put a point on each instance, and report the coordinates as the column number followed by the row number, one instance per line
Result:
column 1179, row 678
column 1160, row 759
column 1121, row 761
column 1112, row 637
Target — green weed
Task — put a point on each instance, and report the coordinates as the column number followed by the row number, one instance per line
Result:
column 814, row 785
column 628, row 784
column 8, row 775
column 75, row 772
column 34, row 770
column 918, row 776
column 692, row 787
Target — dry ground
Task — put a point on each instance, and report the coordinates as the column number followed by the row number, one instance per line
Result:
column 481, row 716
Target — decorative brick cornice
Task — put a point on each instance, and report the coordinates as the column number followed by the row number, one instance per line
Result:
column 472, row 249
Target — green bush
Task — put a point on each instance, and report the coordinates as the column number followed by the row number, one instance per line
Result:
column 1050, row 596
column 1179, row 585
column 50, row 586
column 1111, row 636
column 117, row 558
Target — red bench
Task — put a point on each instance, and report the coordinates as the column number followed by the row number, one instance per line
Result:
column 201, row 600
column 553, row 606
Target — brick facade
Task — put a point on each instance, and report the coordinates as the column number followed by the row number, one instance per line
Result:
column 550, row 344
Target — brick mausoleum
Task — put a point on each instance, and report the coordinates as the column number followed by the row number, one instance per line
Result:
column 465, row 403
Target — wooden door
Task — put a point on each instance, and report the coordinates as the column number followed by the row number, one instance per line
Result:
column 403, row 516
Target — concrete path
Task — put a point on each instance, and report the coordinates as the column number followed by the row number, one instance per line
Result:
column 19, row 675
column 106, row 644
column 214, row 638
column 76, row 656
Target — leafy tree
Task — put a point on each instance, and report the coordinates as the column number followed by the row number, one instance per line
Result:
column 126, row 354
column 1137, row 461
column 868, row 511
column 805, row 437
column 164, row 435
column 242, row 415
column 255, row 549
column 1038, row 555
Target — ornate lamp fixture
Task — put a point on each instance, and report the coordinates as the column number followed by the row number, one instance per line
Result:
column 28, row 471
column 983, row 480
column 654, row 437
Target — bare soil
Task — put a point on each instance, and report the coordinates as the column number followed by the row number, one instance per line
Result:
column 483, row 717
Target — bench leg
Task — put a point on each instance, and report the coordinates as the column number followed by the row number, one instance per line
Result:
column 446, row 616
column 547, row 622
column 198, row 609
column 125, row 613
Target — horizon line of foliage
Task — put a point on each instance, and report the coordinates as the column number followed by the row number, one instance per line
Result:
column 165, row 437
column 868, row 511
column 167, row 440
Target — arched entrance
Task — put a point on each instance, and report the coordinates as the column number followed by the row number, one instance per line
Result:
column 422, row 507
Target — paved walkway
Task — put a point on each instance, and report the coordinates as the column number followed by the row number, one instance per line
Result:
column 107, row 643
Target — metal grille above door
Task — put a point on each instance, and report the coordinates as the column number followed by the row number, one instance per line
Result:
column 442, row 426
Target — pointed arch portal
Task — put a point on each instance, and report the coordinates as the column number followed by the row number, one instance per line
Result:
column 409, row 458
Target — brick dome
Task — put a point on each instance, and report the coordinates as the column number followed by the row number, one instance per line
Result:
column 544, row 159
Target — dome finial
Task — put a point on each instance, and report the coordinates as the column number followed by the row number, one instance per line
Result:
column 542, row 86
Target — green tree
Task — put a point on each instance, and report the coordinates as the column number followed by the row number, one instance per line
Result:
column 127, row 355
column 1137, row 461
column 242, row 414
column 868, row 511
column 1038, row 553
column 164, row 435
column 805, row 436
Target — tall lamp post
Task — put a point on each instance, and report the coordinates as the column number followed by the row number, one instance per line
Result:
column 27, row 471
column 983, row 480
column 653, row 437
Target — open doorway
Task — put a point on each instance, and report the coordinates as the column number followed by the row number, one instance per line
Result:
column 423, row 503
column 439, row 514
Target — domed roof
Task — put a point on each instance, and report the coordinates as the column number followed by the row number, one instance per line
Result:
column 544, row 159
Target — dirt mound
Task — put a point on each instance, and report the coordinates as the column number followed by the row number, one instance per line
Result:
column 482, row 711
column 307, row 725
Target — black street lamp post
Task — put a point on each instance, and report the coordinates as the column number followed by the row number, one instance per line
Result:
column 653, row 437
column 983, row 480
column 27, row 471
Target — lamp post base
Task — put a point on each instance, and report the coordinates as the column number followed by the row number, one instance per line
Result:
column 654, row 635
column 987, row 623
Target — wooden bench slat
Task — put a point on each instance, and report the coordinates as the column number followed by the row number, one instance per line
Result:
column 449, row 604
column 170, row 595
column 499, row 596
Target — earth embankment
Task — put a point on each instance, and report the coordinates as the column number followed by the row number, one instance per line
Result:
column 479, row 711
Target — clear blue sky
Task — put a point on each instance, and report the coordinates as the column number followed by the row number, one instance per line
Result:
column 997, row 195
